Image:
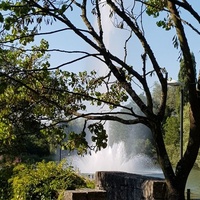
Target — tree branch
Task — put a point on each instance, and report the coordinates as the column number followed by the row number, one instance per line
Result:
column 109, row 117
column 189, row 8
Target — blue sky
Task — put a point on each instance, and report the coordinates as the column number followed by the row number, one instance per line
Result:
column 159, row 39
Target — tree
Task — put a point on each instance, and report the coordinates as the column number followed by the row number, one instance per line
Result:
column 22, row 133
column 186, row 130
column 171, row 128
column 22, row 22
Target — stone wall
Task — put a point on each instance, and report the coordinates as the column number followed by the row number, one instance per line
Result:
column 126, row 186
column 85, row 194
column 120, row 186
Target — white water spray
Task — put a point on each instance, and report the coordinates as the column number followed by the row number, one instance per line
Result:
column 114, row 158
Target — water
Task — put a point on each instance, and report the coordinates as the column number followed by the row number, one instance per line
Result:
column 114, row 158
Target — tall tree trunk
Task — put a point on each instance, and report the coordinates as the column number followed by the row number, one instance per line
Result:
column 175, row 182
column 176, row 190
column 176, row 186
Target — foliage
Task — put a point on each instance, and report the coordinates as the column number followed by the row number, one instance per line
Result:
column 22, row 132
column 31, row 100
column 171, row 128
column 186, row 132
column 154, row 7
column 62, row 96
column 39, row 181
column 39, row 100
column 172, row 138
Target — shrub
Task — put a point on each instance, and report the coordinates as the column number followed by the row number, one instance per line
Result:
column 43, row 181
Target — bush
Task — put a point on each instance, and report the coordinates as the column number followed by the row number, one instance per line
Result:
column 43, row 181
